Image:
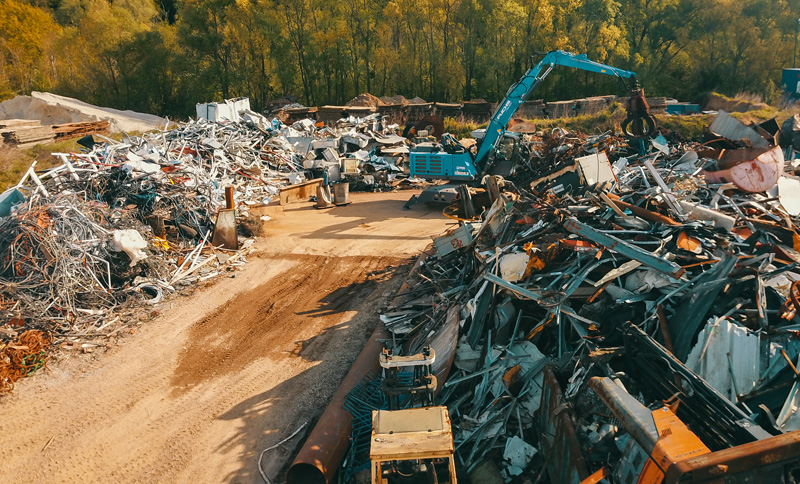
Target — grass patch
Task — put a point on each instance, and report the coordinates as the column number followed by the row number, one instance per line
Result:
column 461, row 130
column 608, row 119
column 688, row 127
column 14, row 162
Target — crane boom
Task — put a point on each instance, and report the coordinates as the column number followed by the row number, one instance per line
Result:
column 451, row 161
column 519, row 92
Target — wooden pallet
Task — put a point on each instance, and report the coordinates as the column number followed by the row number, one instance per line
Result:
column 73, row 130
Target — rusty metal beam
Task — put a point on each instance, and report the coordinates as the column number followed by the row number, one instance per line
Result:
column 628, row 250
column 635, row 417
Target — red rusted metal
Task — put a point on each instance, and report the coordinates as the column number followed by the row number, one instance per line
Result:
column 639, row 123
column 751, row 169
column 643, row 212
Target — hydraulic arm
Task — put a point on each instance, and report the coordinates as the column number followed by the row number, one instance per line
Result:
column 639, row 122
column 451, row 161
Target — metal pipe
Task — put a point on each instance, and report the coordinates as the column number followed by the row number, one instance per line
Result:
column 326, row 446
column 635, row 417
column 796, row 25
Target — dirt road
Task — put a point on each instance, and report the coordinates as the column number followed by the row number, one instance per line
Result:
column 197, row 393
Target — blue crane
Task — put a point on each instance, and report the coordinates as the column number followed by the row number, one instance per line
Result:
column 451, row 161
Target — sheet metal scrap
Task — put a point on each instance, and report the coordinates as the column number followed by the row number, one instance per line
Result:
column 679, row 291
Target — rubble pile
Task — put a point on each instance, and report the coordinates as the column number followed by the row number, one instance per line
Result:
column 611, row 296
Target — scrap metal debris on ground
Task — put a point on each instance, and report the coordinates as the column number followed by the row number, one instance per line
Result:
column 123, row 224
column 618, row 311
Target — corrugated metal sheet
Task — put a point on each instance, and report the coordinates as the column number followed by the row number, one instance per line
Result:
column 724, row 345
column 729, row 127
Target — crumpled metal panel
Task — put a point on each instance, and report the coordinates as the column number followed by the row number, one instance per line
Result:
column 728, row 357
column 565, row 462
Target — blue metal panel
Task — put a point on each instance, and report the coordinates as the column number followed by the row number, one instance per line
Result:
column 683, row 108
column 629, row 250
column 442, row 165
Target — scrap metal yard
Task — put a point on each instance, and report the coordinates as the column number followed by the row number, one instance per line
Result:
column 381, row 242
column 250, row 298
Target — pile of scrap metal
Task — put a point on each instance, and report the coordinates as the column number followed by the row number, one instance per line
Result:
column 635, row 322
column 124, row 224
column 365, row 152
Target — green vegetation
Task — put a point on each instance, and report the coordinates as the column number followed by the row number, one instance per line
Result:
column 609, row 119
column 688, row 127
column 163, row 57
column 461, row 130
column 14, row 163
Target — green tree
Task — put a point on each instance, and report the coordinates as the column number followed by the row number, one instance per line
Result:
column 27, row 36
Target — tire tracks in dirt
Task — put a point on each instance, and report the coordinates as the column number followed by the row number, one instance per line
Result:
column 243, row 376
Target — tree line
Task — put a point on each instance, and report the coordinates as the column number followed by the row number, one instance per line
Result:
column 163, row 56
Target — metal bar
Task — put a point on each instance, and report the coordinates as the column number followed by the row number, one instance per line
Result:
column 635, row 417
column 617, row 245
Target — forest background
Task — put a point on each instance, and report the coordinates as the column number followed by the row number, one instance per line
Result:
column 164, row 56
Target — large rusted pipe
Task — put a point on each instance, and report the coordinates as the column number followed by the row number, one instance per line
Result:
column 325, row 448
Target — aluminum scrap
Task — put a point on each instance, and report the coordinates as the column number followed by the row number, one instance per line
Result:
column 606, row 259
column 123, row 224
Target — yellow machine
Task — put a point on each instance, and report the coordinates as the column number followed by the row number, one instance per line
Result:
column 414, row 445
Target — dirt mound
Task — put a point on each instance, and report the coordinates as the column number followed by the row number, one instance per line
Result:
column 417, row 100
column 285, row 102
column 399, row 99
column 54, row 109
column 365, row 99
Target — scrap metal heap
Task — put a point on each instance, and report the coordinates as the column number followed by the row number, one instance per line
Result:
column 621, row 313
column 124, row 223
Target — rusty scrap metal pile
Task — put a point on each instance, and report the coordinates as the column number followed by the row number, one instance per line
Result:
column 616, row 297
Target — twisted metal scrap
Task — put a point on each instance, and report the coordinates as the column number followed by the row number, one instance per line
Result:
column 23, row 357
column 56, row 265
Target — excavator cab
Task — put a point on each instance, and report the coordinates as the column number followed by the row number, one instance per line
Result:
column 507, row 154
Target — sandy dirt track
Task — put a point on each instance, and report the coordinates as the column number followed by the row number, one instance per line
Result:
column 197, row 393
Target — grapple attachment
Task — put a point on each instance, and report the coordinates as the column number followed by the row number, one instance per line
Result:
column 639, row 123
